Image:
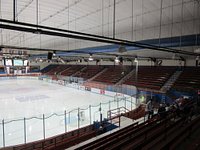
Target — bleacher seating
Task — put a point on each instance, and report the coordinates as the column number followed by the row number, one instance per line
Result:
column 189, row 79
column 89, row 71
column 113, row 74
column 115, row 138
column 57, row 69
column 151, row 77
column 34, row 69
column 72, row 70
column 2, row 71
column 148, row 77
column 48, row 68
column 153, row 134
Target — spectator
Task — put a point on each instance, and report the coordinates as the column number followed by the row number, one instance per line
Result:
column 177, row 108
column 162, row 111
column 149, row 108
column 167, row 107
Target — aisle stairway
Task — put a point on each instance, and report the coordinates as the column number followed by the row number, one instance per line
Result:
column 98, row 74
column 171, row 81
column 126, row 77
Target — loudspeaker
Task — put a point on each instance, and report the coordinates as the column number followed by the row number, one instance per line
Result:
column 49, row 55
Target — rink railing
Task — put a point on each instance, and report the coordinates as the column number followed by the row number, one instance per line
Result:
column 29, row 129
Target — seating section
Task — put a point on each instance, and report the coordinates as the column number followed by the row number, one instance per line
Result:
column 48, row 68
column 151, row 77
column 113, row 74
column 57, row 69
column 189, row 79
column 72, row 70
column 34, row 69
column 153, row 134
column 147, row 78
column 114, row 140
column 89, row 71
column 2, row 71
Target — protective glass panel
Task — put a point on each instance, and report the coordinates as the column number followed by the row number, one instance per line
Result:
column 34, row 129
column 95, row 111
column 72, row 118
column 84, row 117
column 14, row 132
column 54, row 125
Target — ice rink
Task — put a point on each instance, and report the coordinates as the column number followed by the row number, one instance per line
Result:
column 24, row 101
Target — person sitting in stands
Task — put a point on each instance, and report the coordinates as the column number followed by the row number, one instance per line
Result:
column 162, row 111
column 177, row 106
column 102, row 128
column 167, row 107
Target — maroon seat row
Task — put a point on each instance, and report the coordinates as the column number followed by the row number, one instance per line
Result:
column 189, row 79
column 151, row 77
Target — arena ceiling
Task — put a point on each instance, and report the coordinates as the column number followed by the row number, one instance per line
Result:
column 164, row 23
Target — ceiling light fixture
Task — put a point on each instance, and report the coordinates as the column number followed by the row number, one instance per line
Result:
column 90, row 58
column 117, row 59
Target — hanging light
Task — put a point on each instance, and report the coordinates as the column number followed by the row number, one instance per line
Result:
column 40, row 59
column 90, row 58
column 117, row 59
column 54, row 53
column 136, row 60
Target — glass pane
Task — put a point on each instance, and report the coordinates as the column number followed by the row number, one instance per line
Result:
column 113, row 104
column 121, row 102
column 84, row 117
column 54, row 125
column 104, row 109
column 72, row 118
column 128, row 103
column 95, row 111
column 14, row 133
column 34, row 129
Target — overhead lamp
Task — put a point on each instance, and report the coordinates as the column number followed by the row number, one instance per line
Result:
column 90, row 58
column 136, row 60
column 117, row 59
column 54, row 53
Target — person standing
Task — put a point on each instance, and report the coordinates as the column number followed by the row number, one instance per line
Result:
column 149, row 108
